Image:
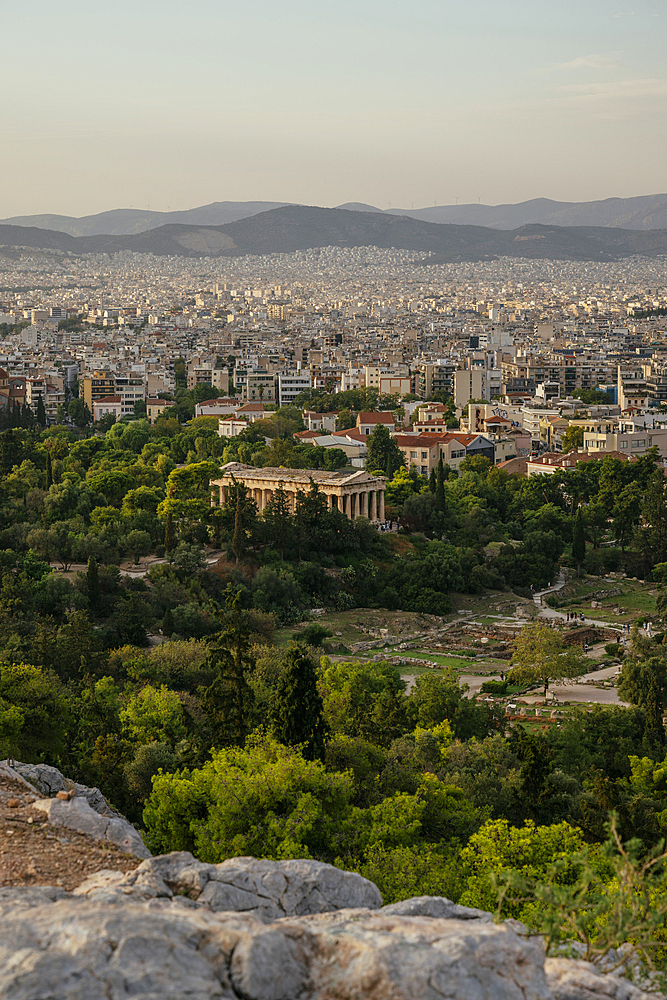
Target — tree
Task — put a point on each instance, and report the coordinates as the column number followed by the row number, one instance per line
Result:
column 654, row 519
column 49, row 470
column 578, row 540
column 79, row 412
column 106, row 421
column 228, row 699
column 93, row 583
column 262, row 800
column 169, row 533
column 573, row 437
column 440, row 499
column 298, row 718
column 41, row 412
column 240, row 511
column 137, row 543
column 278, row 521
column 625, row 513
column 540, row 656
column 238, row 539
column 643, row 681
column 383, row 453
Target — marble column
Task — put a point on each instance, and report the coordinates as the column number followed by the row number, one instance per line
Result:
column 381, row 511
column 372, row 506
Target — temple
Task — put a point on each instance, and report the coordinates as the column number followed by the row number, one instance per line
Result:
column 355, row 494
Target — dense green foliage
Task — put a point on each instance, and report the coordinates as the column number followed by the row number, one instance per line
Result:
column 166, row 690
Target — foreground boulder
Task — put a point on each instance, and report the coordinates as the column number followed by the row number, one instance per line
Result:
column 103, row 941
column 77, row 949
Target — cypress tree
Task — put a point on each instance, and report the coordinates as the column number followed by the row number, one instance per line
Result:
column 238, row 541
column 168, row 624
column 229, row 699
column 431, row 481
column 578, row 540
column 41, row 412
column 169, row 533
column 654, row 729
column 440, row 499
column 49, row 470
column 93, row 583
column 298, row 718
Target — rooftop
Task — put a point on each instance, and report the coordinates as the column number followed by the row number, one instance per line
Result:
column 340, row 477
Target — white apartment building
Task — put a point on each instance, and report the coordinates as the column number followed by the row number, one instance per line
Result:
column 349, row 380
column 290, row 384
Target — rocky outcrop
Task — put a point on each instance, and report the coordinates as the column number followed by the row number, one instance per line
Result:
column 76, row 949
column 49, row 781
column 267, row 889
column 76, row 814
column 155, row 934
column 572, row 980
column 82, row 809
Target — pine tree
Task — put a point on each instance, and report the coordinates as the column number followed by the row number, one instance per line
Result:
column 169, row 533
column 49, row 470
column 41, row 412
column 440, row 499
column 238, row 541
column 578, row 540
column 298, row 718
column 93, row 583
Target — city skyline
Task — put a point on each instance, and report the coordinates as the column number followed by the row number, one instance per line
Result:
column 145, row 105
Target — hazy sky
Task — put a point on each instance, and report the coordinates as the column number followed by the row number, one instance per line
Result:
column 111, row 103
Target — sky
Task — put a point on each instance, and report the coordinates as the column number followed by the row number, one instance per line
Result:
column 155, row 103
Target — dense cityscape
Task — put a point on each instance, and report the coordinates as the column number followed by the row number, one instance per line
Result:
column 529, row 335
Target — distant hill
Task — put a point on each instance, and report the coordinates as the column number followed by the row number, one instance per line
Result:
column 126, row 221
column 358, row 206
column 642, row 213
column 302, row 227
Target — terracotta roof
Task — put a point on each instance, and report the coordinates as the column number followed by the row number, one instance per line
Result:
column 383, row 417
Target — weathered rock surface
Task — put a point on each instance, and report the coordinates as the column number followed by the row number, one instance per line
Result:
column 49, row 781
column 120, row 936
column 78, row 949
column 88, row 812
column 76, row 814
column 267, row 889
column 573, row 980
column 434, row 906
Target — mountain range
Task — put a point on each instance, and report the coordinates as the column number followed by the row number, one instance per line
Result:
column 643, row 213
column 300, row 227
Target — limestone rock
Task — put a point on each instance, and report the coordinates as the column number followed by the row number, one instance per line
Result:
column 434, row 906
column 76, row 814
column 574, row 980
column 77, row 949
column 268, row 889
column 49, row 781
